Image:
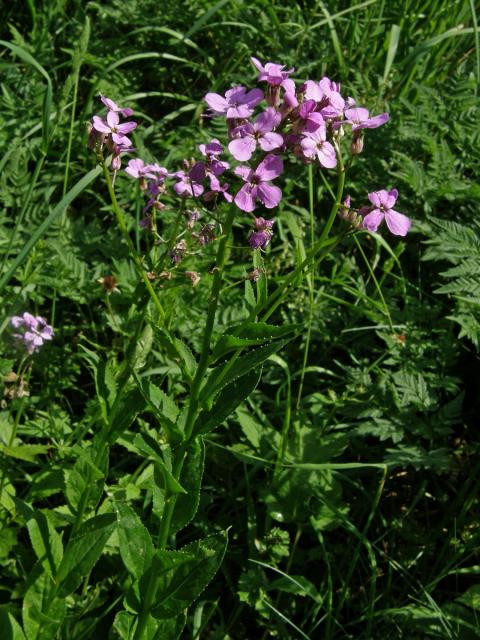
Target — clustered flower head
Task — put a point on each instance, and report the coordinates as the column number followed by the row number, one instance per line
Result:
column 265, row 127
column 33, row 331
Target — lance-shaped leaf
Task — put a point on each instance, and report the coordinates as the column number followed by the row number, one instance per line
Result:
column 226, row 402
column 191, row 480
column 9, row 627
column 163, row 408
column 162, row 474
column 85, row 479
column 184, row 574
column 124, row 625
column 136, row 546
column 42, row 611
column 250, row 335
column 235, row 368
column 83, row 551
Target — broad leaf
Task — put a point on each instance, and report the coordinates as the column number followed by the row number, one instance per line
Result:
column 191, row 480
column 42, row 611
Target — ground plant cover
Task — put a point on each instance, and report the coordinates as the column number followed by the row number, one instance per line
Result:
column 240, row 329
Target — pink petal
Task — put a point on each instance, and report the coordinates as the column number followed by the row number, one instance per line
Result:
column 269, row 194
column 242, row 148
column 217, row 103
column 357, row 114
column 126, row 127
column 313, row 91
column 245, row 198
column 99, row 125
column 372, row 220
column 267, row 121
column 270, row 141
column 270, row 167
column 244, row 172
column 113, row 119
column 327, row 156
column 397, row 223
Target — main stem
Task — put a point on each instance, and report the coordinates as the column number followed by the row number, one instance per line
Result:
column 165, row 524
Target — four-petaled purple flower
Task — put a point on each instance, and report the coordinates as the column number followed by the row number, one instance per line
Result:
column 359, row 118
column 35, row 331
column 113, row 106
column 137, row 168
column 113, row 128
column 186, row 186
column 274, row 75
column 247, row 136
column 263, row 234
column 237, row 103
column 308, row 118
column 315, row 144
column 257, row 184
column 327, row 96
column 382, row 202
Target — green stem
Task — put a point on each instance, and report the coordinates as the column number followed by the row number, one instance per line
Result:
column 165, row 524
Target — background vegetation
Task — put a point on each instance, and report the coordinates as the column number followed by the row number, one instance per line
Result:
column 392, row 376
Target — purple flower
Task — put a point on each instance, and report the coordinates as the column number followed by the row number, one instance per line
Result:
column 237, row 103
column 274, row 74
column 212, row 167
column 113, row 106
column 382, row 202
column 260, row 238
column 35, row 331
column 309, row 119
column 327, row 95
column 359, row 118
column 216, row 188
column 185, row 186
column 315, row 144
column 261, row 132
column 257, row 184
column 137, row 168
column 112, row 128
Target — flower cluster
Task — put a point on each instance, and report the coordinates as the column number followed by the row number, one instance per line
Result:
column 33, row 331
column 266, row 127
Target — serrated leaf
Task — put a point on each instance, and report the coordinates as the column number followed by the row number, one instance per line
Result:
column 162, row 475
column 191, row 480
column 27, row 452
column 162, row 406
column 84, row 550
column 42, row 612
column 251, row 334
column 224, row 374
column 85, row 476
column 185, row 573
column 136, row 546
column 226, row 402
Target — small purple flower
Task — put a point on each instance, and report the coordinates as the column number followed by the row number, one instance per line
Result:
column 237, row 103
column 113, row 128
column 35, row 331
column 113, row 106
column 260, row 132
column 359, row 118
column 260, row 238
column 326, row 94
column 186, row 186
column 382, row 202
column 315, row 144
column 274, row 74
column 215, row 189
column 137, row 168
column 212, row 167
column 309, row 119
column 257, row 184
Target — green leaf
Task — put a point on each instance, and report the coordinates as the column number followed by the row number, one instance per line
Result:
column 9, row 627
column 42, row 611
column 227, row 401
column 191, row 480
column 179, row 352
column 84, row 476
column 185, row 573
column 46, row 542
column 84, row 550
column 229, row 371
column 471, row 597
column 251, row 334
column 162, row 406
column 155, row 630
column 26, row 452
column 136, row 546
column 162, row 474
